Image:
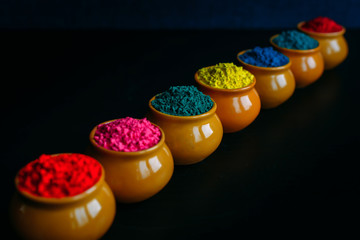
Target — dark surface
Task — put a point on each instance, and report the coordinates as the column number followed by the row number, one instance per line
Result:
column 294, row 168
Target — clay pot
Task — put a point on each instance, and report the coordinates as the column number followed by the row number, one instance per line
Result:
column 191, row 139
column 236, row 108
column 135, row 176
column 306, row 65
column 275, row 85
column 84, row 216
column 333, row 46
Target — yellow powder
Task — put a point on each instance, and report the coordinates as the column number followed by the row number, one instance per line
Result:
column 225, row 76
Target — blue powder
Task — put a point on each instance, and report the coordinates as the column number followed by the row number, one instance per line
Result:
column 295, row 40
column 182, row 101
column 264, row 57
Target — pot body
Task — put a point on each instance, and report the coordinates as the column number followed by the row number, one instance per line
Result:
column 275, row 85
column 306, row 65
column 333, row 46
column 85, row 216
column 135, row 176
column 236, row 108
column 190, row 138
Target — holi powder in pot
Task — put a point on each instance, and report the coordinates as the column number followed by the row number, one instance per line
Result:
column 296, row 40
column 58, row 176
column 264, row 57
column 225, row 76
column 182, row 101
column 322, row 25
column 127, row 135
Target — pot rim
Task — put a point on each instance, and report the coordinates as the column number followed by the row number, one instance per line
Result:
column 320, row 34
column 63, row 200
column 283, row 67
column 297, row 51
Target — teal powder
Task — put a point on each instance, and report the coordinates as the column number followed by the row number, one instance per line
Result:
column 182, row 101
column 295, row 40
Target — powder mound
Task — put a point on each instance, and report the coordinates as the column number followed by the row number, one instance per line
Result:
column 127, row 135
column 225, row 76
column 294, row 39
column 322, row 25
column 264, row 57
column 182, row 101
column 59, row 176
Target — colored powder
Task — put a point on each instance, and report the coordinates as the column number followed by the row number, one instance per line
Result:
column 182, row 101
column 322, row 25
column 264, row 57
column 295, row 40
column 225, row 76
column 127, row 135
column 58, row 176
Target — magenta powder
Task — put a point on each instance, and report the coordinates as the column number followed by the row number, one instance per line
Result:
column 127, row 135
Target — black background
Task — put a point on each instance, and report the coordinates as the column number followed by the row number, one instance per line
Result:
column 175, row 14
column 294, row 170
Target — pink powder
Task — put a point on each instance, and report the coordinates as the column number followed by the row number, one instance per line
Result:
column 127, row 135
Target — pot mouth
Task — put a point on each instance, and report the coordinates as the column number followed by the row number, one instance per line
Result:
column 297, row 51
column 130, row 154
column 283, row 67
column 234, row 90
column 320, row 34
column 184, row 118
column 63, row 200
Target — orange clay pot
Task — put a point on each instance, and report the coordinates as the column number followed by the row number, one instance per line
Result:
column 306, row 65
column 84, row 216
column 190, row 138
column 275, row 85
column 236, row 108
column 135, row 176
column 333, row 46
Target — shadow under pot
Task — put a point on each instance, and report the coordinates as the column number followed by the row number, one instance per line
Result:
column 236, row 108
column 134, row 176
column 275, row 85
column 306, row 65
column 87, row 215
column 191, row 139
column 333, row 46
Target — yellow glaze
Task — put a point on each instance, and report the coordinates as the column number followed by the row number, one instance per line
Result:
column 333, row 46
column 275, row 85
column 135, row 176
column 85, row 216
column 190, row 138
column 236, row 108
column 306, row 65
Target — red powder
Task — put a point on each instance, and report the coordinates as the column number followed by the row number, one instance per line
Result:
column 322, row 25
column 127, row 135
column 58, row 176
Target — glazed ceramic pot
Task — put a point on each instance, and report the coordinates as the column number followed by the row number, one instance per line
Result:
column 190, row 138
column 236, row 108
column 306, row 65
column 84, row 216
column 135, row 176
column 275, row 85
column 333, row 46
